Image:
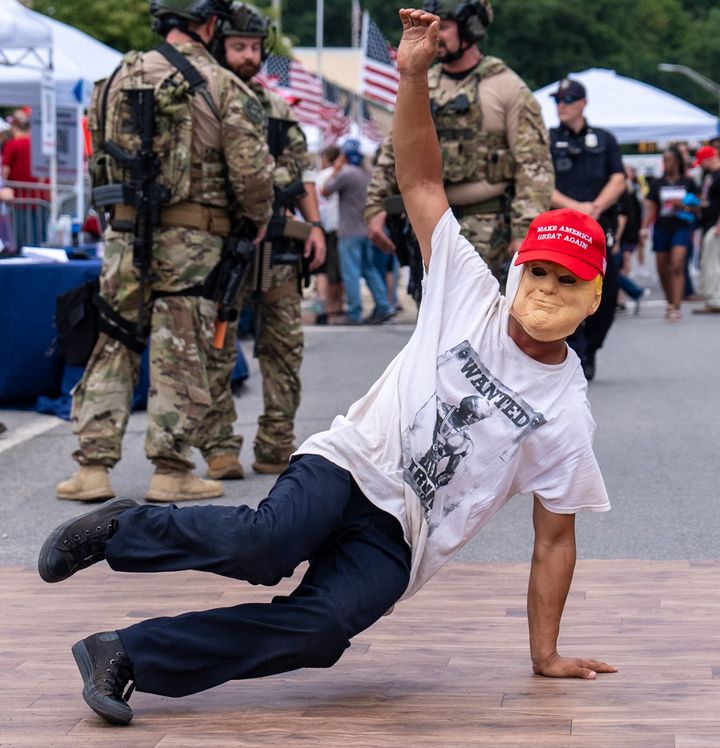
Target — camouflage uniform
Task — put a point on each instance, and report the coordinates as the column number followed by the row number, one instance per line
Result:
column 215, row 151
column 280, row 345
column 493, row 144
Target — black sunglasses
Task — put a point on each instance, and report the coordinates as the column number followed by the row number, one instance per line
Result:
column 567, row 99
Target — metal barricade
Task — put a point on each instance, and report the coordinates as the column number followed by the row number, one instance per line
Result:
column 24, row 219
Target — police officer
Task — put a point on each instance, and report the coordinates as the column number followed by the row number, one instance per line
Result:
column 589, row 177
column 496, row 163
column 242, row 48
column 209, row 146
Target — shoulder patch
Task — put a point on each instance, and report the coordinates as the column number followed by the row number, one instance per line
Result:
column 254, row 111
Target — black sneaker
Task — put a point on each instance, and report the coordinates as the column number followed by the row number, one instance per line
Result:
column 105, row 670
column 80, row 542
column 379, row 318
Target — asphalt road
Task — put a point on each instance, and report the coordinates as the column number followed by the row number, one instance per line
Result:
column 656, row 400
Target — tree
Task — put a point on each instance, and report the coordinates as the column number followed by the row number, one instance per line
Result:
column 121, row 25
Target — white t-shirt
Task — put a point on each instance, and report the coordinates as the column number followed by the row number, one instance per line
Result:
column 329, row 207
column 462, row 420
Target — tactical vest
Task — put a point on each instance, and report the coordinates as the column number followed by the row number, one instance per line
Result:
column 469, row 153
column 111, row 118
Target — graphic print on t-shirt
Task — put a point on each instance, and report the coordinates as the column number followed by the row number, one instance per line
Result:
column 487, row 416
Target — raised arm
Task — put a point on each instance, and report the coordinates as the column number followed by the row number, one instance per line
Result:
column 418, row 164
column 551, row 571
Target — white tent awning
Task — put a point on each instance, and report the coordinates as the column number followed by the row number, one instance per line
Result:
column 633, row 111
column 26, row 38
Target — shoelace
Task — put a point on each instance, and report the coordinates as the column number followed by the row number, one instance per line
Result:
column 86, row 547
column 117, row 676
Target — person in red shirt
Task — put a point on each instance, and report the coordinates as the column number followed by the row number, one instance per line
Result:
column 16, row 167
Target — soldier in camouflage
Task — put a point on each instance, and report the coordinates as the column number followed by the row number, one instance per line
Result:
column 210, row 147
column 497, row 169
column 280, row 344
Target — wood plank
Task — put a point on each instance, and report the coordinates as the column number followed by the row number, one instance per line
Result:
column 449, row 668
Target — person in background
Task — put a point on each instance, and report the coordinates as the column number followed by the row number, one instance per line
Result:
column 350, row 180
column 17, row 167
column 244, row 42
column 708, row 159
column 589, row 177
column 630, row 206
column 667, row 209
column 214, row 148
column 328, row 278
column 496, row 165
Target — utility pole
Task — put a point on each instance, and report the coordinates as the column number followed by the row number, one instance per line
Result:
column 699, row 78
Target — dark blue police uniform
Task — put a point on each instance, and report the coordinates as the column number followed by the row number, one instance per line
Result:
column 584, row 162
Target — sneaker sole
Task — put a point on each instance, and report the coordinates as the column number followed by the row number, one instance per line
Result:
column 105, row 707
column 43, row 568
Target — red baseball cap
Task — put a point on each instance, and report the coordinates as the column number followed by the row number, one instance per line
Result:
column 569, row 238
column 706, row 151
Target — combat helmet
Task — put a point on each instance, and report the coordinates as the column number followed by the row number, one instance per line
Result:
column 169, row 13
column 472, row 16
column 245, row 20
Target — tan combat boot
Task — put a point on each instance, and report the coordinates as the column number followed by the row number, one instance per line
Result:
column 181, row 485
column 271, row 466
column 224, row 466
column 89, row 483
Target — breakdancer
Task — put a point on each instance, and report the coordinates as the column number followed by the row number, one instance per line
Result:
column 484, row 402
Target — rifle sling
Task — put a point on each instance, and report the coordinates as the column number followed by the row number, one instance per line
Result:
column 191, row 74
column 116, row 326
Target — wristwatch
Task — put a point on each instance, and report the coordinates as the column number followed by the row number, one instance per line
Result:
column 317, row 224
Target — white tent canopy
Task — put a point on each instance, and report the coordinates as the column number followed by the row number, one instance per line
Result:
column 633, row 111
column 26, row 41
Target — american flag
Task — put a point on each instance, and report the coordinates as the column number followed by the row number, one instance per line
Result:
column 379, row 75
column 336, row 113
column 314, row 100
column 370, row 128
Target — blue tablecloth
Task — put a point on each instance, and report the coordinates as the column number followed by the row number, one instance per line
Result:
column 32, row 370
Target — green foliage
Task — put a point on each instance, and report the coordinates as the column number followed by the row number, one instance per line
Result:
column 122, row 25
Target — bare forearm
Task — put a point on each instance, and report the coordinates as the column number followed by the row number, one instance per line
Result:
column 415, row 142
column 560, row 200
column 610, row 193
column 551, row 573
column 308, row 203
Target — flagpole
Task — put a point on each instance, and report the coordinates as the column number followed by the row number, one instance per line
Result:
column 357, row 114
column 319, row 25
column 277, row 10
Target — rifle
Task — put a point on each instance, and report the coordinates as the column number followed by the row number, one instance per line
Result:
column 406, row 243
column 141, row 191
column 226, row 281
column 283, row 245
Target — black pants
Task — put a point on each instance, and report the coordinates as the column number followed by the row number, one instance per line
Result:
column 590, row 336
column 359, row 567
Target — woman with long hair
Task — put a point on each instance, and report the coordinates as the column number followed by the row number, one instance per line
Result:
column 670, row 206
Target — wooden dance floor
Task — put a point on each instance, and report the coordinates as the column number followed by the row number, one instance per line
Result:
column 450, row 667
